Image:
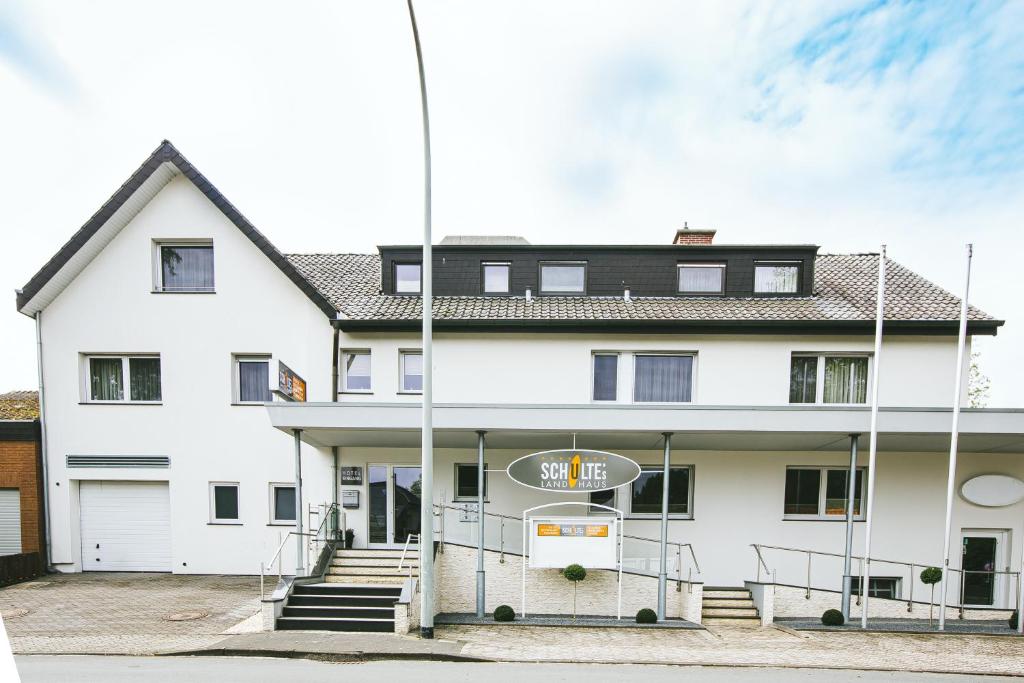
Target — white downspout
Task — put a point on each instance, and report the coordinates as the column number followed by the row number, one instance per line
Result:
column 45, row 465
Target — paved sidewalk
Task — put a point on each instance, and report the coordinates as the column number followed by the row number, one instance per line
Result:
column 124, row 613
column 333, row 646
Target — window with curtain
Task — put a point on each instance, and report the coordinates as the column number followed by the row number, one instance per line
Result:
column 466, row 481
column 355, row 373
column 253, row 380
column 496, row 278
column 781, row 278
column 646, row 491
column 563, row 278
column 126, row 379
column 186, row 268
column 803, row 379
column 662, row 378
column 225, row 502
column 408, row 278
column 282, row 500
column 606, row 376
column 412, row 371
column 846, row 379
column 701, row 278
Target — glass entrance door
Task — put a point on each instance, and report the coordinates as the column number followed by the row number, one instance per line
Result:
column 394, row 505
column 981, row 557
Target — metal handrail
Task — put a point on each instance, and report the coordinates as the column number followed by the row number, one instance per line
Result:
column 314, row 536
column 405, row 551
column 912, row 566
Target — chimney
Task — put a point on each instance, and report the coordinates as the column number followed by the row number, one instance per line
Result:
column 688, row 236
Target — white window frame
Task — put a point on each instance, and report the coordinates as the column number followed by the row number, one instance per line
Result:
column 158, row 269
column 723, row 268
column 593, row 376
column 627, row 493
column 455, row 488
column 483, row 277
column 897, row 588
column 626, row 376
column 125, row 376
column 343, row 379
column 822, row 487
column 402, row 353
column 236, row 382
column 768, row 263
column 819, row 382
column 562, row 264
column 214, row 519
column 394, row 272
column 274, row 521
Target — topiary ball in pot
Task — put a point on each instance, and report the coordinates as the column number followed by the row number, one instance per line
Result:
column 832, row 617
column 1012, row 621
column 646, row 616
column 504, row 613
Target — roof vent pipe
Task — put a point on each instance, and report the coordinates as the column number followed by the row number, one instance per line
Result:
column 529, row 296
column 625, row 296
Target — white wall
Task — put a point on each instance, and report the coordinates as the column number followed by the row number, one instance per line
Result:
column 918, row 371
column 110, row 308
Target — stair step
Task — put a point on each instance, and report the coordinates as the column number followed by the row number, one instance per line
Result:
column 726, row 594
column 373, row 601
column 341, row 588
column 371, row 552
column 335, row 624
column 730, row 603
column 729, row 612
column 372, row 579
column 373, row 562
column 310, row 611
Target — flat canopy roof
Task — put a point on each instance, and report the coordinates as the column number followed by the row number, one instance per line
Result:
column 631, row 427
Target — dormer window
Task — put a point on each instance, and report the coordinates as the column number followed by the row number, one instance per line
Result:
column 563, row 277
column 701, row 278
column 184, row 267
column 496, row 277
column 408, row 278
column 782, row 277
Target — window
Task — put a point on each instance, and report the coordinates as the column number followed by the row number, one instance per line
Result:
column 879, row 586
column 645, row 492
column 606, row 376
column 282, row 504
column 497, row 278
column 186, row 267
column 408, row 278
column 823, row 378
column 223, row 502
column 355, row 371
column 252, row 379
column 605, row 497
column 820, row 492
column 563, row 278
column 662, row 378
column 124, row 379
column 412, row 371
column 466, row 481
column 776, row 278
column 701, row 278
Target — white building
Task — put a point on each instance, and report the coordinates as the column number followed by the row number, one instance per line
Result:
column 161, row 318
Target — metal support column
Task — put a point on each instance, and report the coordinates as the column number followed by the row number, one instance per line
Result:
column 299, row 554
column 851, row 489
column 663, row 564
column 480, row 577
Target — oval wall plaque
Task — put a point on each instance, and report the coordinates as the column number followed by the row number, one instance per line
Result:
column 993, row 490
column 571, row 470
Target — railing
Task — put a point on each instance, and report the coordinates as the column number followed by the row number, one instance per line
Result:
column 331, row 519
column 405, row 551
column 908, row 574
column 503, row 533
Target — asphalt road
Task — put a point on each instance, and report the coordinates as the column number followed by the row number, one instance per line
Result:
column 89, row 669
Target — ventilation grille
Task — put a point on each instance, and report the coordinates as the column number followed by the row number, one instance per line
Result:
column 134, row 461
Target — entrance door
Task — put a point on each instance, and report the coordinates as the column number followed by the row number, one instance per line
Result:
column 394, row 509
column 982, row 554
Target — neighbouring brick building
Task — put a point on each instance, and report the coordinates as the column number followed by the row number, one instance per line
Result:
column 22, row 530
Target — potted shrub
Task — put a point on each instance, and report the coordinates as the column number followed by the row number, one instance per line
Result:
column 1013, row 620
column 504, row 613
column 929, row 577
column 350, row 538
column 574, row 573
column 832, row 617
column 646, row 616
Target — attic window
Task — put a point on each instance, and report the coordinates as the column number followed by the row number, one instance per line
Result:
column 782, row 277
column 184, row 267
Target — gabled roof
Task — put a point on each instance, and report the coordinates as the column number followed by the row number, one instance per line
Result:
column 162, row 166
column 843, row 299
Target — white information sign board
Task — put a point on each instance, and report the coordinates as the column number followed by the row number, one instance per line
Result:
column 557, row 542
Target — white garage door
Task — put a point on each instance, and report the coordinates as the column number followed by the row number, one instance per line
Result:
column 10, row 521
column 126, row 526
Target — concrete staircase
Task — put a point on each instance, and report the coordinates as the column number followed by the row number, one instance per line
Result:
column 358, row 594
column 729, row 605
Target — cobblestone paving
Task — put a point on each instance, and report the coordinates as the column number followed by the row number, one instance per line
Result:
column 741, row 645
column 122, row 613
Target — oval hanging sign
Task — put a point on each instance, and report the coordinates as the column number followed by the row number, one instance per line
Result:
column 993, row 490
column 571, row 470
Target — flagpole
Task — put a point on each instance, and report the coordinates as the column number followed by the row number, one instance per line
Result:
column 873, row 443
column 961, row 342
column 427, row 444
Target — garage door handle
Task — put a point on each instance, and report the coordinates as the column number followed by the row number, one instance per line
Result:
column 97, row 546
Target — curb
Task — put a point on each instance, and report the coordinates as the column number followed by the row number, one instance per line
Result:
column 329, row 656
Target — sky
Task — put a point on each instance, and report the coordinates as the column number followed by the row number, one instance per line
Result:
column 843, row 124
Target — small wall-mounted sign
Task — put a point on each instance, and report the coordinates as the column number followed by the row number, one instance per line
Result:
column 290, row 386
column 573, row 470
column 350, row 500
column 351, row 475
column 993, row 490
